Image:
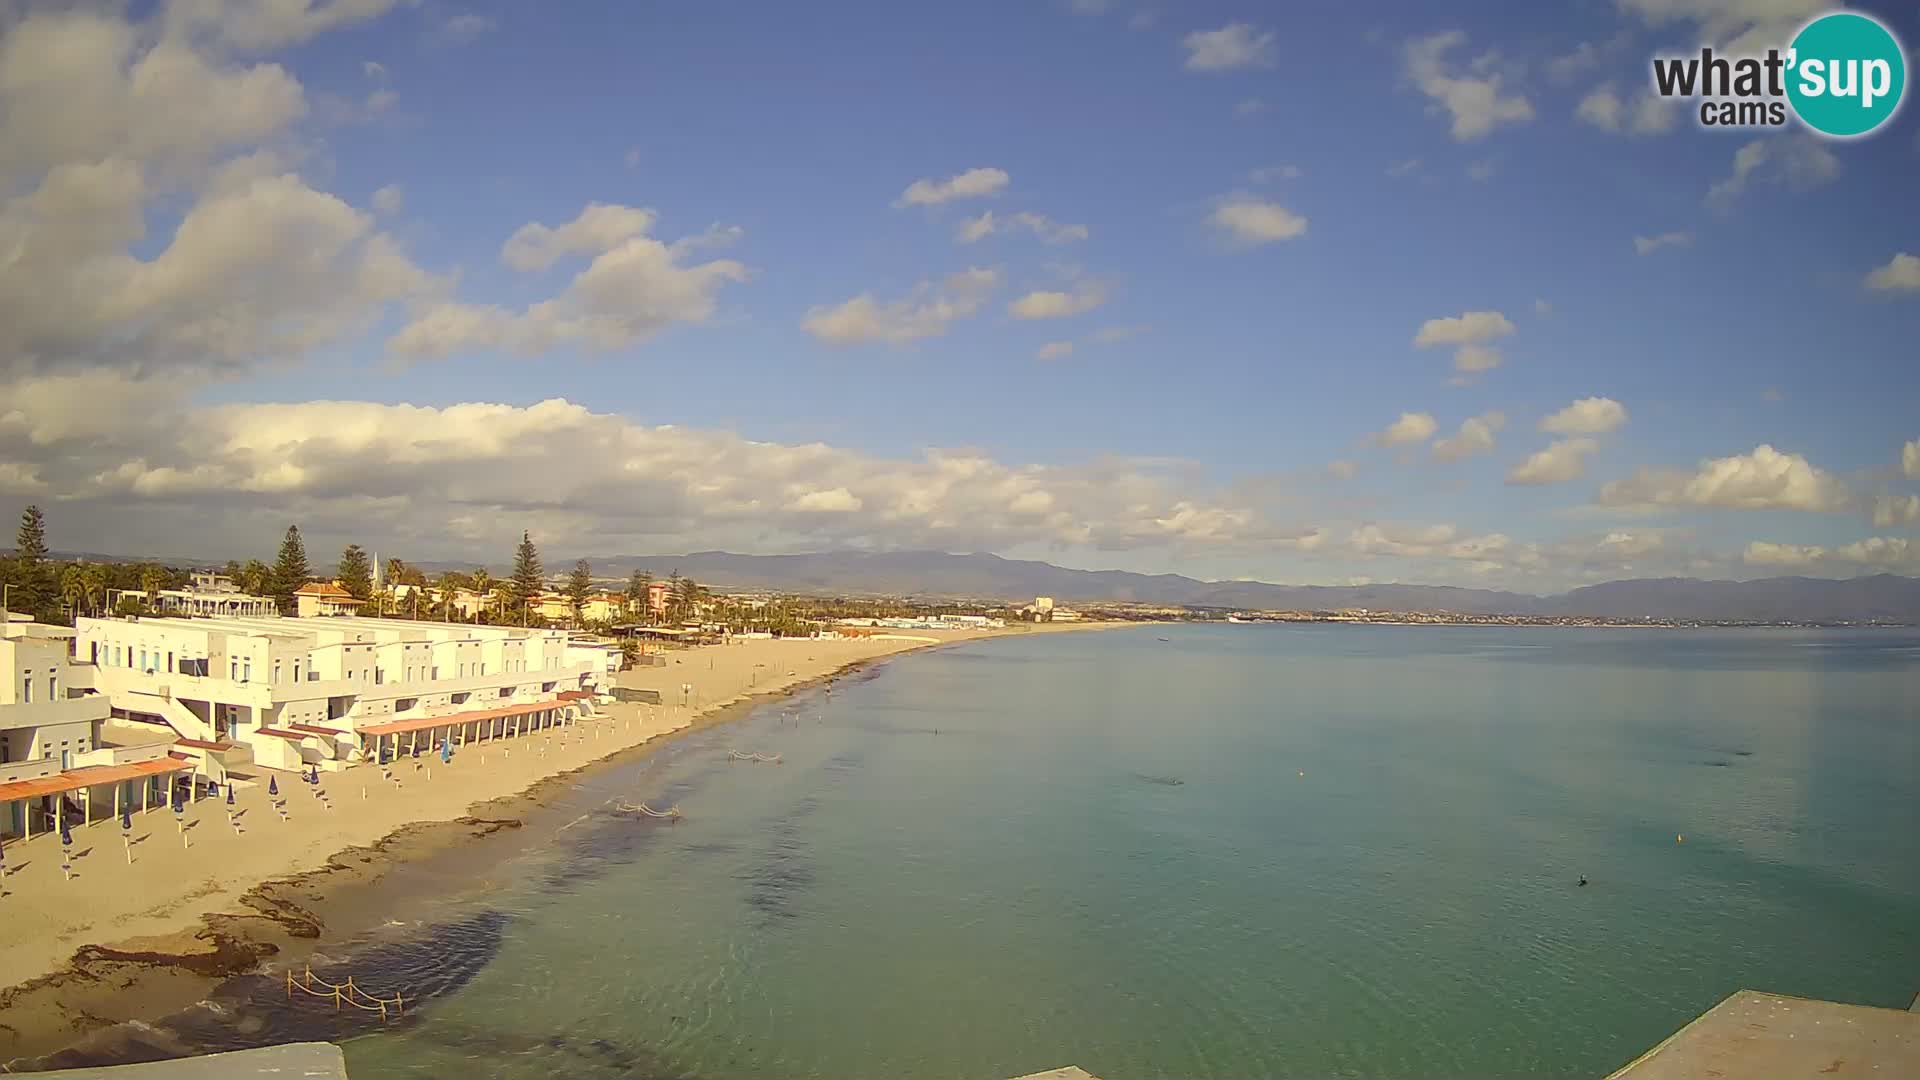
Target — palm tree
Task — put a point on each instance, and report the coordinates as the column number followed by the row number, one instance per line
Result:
column 483, row 584
column 73, row 587
column 151, row 582
column 95, row 577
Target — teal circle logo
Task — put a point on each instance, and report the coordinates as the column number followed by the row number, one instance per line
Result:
column 1846, row 74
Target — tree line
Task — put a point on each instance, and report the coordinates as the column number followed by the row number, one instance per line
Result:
column 56, row 591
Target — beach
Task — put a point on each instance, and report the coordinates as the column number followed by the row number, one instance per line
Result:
column 143, row 928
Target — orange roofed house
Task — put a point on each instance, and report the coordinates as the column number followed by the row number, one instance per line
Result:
column 324, row 598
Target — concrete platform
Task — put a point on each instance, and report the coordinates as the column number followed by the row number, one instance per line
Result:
column 291, row 1061
column 1752, row 1034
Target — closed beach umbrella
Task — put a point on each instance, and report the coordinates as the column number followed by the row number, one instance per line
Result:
column 126, row 821
column 66, row 833
column 229, row 793
column 446, row 751
column 273, row 785
column 179, row 805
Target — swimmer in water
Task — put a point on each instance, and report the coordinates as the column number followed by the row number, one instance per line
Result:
column 1583, row 879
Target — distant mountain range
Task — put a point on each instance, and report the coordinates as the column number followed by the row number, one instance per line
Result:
column 939, row 575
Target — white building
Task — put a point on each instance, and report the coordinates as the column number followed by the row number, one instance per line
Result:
column 208, row 593
column 53, row 763
column 324, row 691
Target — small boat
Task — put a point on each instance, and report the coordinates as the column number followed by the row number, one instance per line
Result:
column 1166, row 639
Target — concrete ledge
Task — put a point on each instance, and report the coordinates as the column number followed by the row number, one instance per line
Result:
column 291, row 1061
column 1752, row 1034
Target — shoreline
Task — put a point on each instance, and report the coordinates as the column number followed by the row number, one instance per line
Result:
column 275, row 921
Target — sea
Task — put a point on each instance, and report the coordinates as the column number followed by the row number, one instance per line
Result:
column 1199, row 851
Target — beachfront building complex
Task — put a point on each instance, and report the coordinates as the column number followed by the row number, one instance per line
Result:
column 326, row 691
column 54, row 764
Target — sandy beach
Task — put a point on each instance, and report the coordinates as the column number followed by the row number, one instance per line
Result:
column 128, row 939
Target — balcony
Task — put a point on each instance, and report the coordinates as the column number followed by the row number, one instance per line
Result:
column 80, row 710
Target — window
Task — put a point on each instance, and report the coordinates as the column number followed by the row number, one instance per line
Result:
column 246, row 670
column 53, row 687
column 143, row 659
column 169, row 659
column 26, row 689
column 276, row 672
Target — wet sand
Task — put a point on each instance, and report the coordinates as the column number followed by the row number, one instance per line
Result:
column 174, row 944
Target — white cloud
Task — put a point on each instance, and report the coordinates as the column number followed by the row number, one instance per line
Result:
column 1481, row 170
column 223, row 293
column 1474, row 437
column 1910, row 458
column 1053, row 304
column 1236, row 45
column 1411, row 427
column 251, row 25
column 1890, row 510
column 1404, row 168
column 374, row 69
column 1250, row 107
column 1470, row 327
column 1798, row 162
column 972, row 184
column 1901, row 274
column 90, row 89
column 1054, row 350
column 634, row 287
column 1271, row 173
column 1765, row 553
column 1542, row 308
column 927, row 312
column 1735, row 26
column 1646, row 114
column 1587, row 416
column 467, row 26
column 1647, row 245
column 1474, row 101
column 1470, row 332
column 972, row 230
column 1890, row 553
column 1562, row 460
column 1764, row 479
column 1342, row 470
column 389, row 199
column 1250, row 220
column 466, row 478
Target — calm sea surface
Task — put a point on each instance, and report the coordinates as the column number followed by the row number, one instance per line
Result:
column 1248, row 851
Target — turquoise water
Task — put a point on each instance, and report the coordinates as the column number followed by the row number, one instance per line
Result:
column 976, row 862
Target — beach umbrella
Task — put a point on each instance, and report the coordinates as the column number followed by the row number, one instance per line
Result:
column 273, row 785
column 446, row 751
column 126, row 821
column 229, row 793
column 66, row 833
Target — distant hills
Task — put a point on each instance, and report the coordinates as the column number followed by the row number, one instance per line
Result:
column 939, row 575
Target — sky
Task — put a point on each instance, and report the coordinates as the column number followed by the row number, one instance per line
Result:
column 1314, row 293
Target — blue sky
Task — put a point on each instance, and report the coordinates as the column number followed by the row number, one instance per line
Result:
column 1270, row 204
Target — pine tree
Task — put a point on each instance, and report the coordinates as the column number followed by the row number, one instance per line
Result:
column 290, row 570
column 356, row 572
column 528, row 579
column 30, row 546
column 579, row 586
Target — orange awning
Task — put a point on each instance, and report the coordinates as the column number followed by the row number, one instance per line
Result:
column 574, row 695
column 91, row 776
column 397, row 727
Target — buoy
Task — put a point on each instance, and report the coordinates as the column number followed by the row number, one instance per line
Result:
column 1303, row 772
column 1680, row 839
